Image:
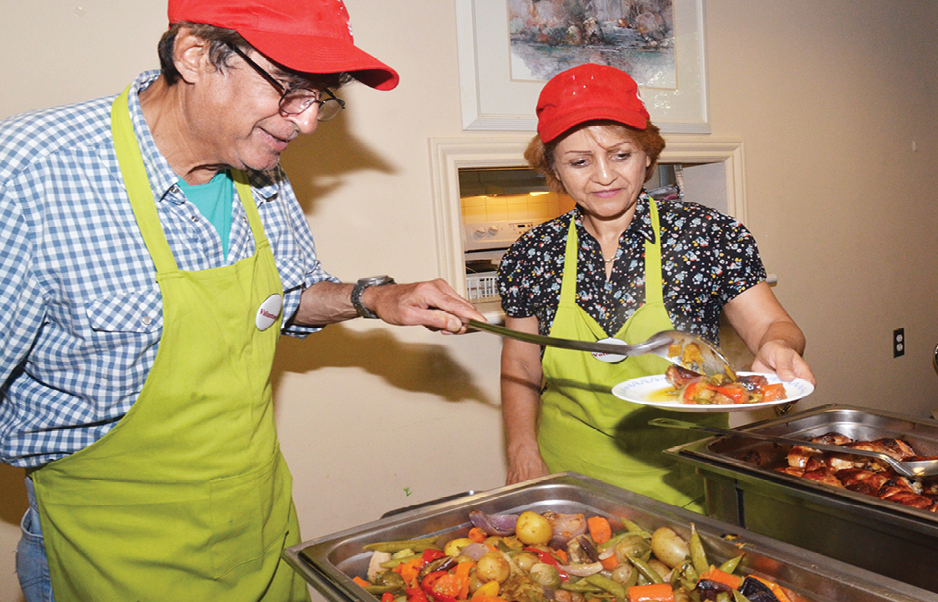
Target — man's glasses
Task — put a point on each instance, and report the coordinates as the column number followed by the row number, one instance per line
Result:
column 295, row 101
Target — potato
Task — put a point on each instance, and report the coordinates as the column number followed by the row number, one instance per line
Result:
column 533, row 529
column 669, row 547
column 659, row 567
column 455, row 546
column 492, row 566
column 525, row 560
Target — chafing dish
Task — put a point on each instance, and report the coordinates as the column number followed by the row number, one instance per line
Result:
column 882, row 536
column 329, row 563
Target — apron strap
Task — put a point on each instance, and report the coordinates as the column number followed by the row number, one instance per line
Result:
column 654, row 283
column 138, row 186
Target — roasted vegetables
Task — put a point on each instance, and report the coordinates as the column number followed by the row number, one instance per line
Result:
column 600, row 559
column 693, row 388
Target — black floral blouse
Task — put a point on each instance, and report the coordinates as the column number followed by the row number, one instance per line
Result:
column 707, row 259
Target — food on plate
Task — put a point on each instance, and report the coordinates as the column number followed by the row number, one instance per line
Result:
column 556, row 557
column 863, row 474
column 691, row 387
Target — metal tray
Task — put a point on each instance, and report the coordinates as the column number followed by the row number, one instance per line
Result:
column 889, row 538
column 329, row 563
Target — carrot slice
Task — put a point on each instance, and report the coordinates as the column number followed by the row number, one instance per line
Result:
column 477, row 535
column 653, row 592
column 361, row 581
column 610, row 562
column 715, row 574
column 599, row 528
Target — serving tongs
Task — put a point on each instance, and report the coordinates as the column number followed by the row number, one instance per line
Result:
column 669, row 344
column 913, row 469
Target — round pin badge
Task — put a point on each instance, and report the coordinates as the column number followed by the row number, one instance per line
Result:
column 610, row 358
column 268, row 312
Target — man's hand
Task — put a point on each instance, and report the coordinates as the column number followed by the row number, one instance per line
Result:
column 432, row 304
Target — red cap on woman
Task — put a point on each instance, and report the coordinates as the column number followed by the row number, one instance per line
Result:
column 587, row 93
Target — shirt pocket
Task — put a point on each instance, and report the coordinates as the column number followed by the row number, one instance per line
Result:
column 116, row 320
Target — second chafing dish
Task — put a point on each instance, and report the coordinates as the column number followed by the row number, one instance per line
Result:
column 888, row 538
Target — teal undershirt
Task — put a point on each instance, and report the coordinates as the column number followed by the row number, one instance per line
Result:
column 213, row 200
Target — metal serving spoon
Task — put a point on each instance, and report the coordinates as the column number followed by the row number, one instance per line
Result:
column 917, row 468
column 659, row 344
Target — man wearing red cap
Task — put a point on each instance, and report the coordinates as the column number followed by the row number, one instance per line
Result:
column 153, row 253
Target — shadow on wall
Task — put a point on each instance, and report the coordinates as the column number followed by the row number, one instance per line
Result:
column 13, row 500
column 410, row 367
column 316, row 164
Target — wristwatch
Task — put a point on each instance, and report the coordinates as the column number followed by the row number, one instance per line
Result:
column 360, row 286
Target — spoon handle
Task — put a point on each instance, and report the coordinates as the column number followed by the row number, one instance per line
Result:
column 537, row 339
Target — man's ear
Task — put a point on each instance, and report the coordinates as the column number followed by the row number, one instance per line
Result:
column 190, row 55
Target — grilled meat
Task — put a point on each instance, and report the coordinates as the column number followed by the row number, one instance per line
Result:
column 679, row 376
column 863, row 475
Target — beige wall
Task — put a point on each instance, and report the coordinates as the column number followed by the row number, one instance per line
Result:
column 828, row 98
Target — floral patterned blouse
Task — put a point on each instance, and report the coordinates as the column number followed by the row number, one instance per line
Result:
column 707, row 258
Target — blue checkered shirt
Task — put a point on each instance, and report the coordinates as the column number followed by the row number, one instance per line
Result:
column 82, row 312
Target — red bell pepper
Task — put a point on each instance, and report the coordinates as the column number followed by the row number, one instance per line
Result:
column 415, row 594
column 547, row 558
column 431, row 554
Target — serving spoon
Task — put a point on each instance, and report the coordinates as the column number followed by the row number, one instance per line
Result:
column 663, row 344
column 913, row 469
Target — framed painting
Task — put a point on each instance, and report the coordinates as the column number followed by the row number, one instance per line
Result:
column 508, row 49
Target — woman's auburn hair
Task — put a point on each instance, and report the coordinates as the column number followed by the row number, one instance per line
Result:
column 540, row 155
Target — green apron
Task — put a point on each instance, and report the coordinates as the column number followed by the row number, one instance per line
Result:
column 188, row 496
column 586, row 429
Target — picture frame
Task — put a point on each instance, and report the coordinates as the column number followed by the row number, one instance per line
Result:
column 492, row 100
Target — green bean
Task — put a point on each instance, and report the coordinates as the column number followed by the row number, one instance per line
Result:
column 581, row 586
column 646, row 571
column 730, row 565
column 633, row 528
column 390, row 564
column 607, row 584
column 697, row 554
column 612, row 541
column 417, row 545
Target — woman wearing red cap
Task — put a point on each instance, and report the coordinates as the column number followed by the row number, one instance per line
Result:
column 619, row 265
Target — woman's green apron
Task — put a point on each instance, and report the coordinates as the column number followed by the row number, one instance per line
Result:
column 586, row 429
column 188, row 496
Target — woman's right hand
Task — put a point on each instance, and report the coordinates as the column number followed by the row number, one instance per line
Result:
column 525, row 465
column 521, row 400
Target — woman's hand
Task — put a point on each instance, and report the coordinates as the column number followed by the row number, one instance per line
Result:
column 770, row 333
column 521, row 402
column 787, row 363
column 525, row 464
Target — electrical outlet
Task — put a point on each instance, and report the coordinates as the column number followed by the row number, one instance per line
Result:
column 898, row 342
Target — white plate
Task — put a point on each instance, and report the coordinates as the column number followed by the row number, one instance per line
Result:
column 640, row 390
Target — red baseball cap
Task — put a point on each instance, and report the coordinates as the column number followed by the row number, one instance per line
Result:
column 312, row 36
column 585, row 93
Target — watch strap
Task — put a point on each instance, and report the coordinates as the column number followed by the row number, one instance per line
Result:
column 359, row 289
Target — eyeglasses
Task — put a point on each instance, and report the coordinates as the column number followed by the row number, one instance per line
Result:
column 294, row 101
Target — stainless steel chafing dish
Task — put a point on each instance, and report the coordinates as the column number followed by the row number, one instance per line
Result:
column 888, row 538
column 329, row 563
